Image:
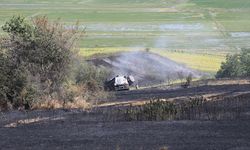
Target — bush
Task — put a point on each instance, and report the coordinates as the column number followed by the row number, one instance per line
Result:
column 36, row 59
column 92, row 78
column 12, row 81
column 189, row 79
column 245, row 61
column 3, row 80
column 87, row 72
column 36, row 63
column 237, row 65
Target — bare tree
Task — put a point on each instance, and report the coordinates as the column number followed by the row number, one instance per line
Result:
column 180, row 76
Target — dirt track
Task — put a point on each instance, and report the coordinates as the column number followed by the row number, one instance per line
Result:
column 59, row 129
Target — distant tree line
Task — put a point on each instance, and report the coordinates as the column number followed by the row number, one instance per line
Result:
column 236, row 65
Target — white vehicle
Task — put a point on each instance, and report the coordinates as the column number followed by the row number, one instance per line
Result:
column 119, row 83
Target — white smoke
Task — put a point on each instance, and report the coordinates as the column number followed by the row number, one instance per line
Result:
column 146, row 67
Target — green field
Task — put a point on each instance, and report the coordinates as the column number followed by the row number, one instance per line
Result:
column 203, row 62
column 213, row 27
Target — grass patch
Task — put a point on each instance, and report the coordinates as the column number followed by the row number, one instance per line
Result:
column 91, row 52
column 203, row 62
column 222, row 3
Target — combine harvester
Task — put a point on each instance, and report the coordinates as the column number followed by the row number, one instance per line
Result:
column 119, row 83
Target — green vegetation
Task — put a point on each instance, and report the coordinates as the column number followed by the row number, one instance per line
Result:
column 195, row 26
column 203, row 62
column 240, row 4
column 127, row 23
column 37, row 58
column 91, row 52
column 237, row 65
column 39, row 62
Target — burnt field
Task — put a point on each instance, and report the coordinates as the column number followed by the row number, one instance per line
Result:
column 207, row 88
column 93, row 129
column 81, row 132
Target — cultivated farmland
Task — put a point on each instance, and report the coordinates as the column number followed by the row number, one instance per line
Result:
column 210, row 27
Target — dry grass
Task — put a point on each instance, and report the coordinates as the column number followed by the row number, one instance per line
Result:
column 197, row 108
column 56, row 104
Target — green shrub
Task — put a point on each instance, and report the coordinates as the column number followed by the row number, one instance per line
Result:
column 36, row 59
column 237, row 65
column 87, row 72
column 3, row 80
column 92, row 78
